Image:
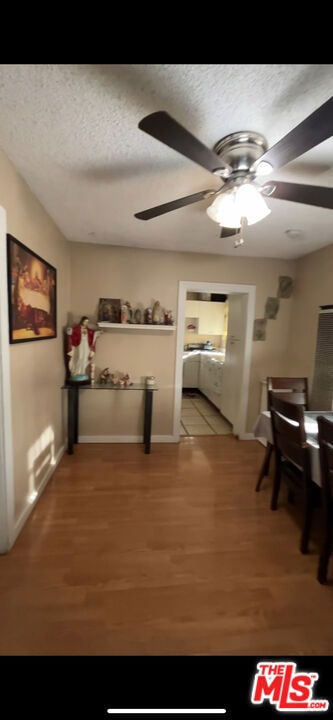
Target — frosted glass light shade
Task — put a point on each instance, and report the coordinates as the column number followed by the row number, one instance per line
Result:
column 230, row 207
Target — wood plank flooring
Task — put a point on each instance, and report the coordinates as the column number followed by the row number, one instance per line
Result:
column 168, row 553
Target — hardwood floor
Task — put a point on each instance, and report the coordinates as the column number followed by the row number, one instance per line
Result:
column 168, row 553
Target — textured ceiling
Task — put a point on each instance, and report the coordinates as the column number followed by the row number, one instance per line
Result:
column 72, row 132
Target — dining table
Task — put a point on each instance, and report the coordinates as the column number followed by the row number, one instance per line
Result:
column 263, row 430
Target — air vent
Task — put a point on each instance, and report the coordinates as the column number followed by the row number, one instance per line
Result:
column 218, row 297
column 207, row 297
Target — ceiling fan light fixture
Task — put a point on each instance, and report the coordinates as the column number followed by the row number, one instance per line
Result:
column 264, row 168
column 243, row 201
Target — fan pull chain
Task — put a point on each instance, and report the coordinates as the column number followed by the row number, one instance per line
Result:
column 240, row 241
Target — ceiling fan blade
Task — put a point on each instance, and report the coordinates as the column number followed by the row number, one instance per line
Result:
column 306, row 194
column 173, row 205
column 164, row 128
column 316, row 128
column 228, row 232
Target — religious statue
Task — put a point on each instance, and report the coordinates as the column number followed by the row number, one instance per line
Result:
column 80, row 349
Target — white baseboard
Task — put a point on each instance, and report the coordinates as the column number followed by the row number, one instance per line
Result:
column 27, row 510
column 126, row 439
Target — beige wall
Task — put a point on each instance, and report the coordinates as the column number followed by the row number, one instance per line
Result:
column 313, row 287
column 37, row 368
column 143, row 276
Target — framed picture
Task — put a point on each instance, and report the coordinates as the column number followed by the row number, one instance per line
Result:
column 109, row 310
column 32, row 294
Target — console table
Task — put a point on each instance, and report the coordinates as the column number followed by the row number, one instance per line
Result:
column 73, row 393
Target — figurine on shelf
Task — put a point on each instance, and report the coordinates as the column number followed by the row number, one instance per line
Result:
column 124, row 314
column 148, row 316
column 130, row 313
column 169, row 314
column 127, row 380
column 104, row 376
column 138, row 316
column 80, row 349
column 156, row 313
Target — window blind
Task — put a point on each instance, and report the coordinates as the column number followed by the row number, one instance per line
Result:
column 322, row 388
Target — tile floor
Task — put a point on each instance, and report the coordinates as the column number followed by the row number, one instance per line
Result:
column 200, row 417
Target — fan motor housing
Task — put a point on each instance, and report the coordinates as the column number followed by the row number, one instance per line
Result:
column 241, row 150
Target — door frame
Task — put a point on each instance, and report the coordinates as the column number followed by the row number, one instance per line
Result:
column 186, row 286
column 6, row 440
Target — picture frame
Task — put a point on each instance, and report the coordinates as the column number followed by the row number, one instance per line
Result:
column 109, row 310
column 259, row 329
column 32, row 294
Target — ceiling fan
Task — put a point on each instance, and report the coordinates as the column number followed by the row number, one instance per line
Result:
column 239, row 160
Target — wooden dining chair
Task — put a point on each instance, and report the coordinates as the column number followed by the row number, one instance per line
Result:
column 292, row 459
column 294, row 390
column 325, row 439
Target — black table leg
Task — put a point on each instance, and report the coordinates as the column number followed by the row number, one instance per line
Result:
column 76, row 416
column 71, row 419
column 147, row 419
column 73, row 404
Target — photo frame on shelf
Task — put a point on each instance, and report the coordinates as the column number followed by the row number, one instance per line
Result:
column 32, row 294
column 109, row 310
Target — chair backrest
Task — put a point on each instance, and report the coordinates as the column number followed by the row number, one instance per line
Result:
column 289, row 431
column 325, row 439
column 292, row 389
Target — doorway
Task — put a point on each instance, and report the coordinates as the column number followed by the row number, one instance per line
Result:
column 247, row 293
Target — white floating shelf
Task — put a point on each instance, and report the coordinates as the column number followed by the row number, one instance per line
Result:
column 134, row 326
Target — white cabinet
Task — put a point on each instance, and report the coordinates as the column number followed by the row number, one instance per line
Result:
column 201, row 370
column 210, row 379
column 203, row 374
column 211, row 318
column 191, row 365
column 192, row 308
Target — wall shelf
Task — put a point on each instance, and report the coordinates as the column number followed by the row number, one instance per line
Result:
column 134, row 326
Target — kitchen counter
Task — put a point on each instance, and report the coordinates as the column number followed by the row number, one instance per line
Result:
column 218, row 355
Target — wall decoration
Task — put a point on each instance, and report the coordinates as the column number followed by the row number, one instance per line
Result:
column 109, row 310
column 286, row 286
column 271, row 308
column 192, row 325
column 32, row 294
column 259, row 329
